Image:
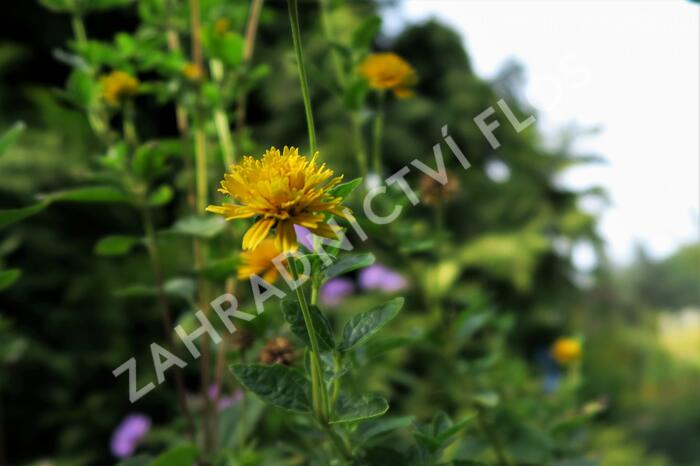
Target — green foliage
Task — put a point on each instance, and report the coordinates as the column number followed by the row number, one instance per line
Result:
column 278, row 385
column 324, row 332
column 363, row 326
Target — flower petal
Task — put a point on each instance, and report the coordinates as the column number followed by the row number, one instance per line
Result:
column 257, row 233
column 286, row 238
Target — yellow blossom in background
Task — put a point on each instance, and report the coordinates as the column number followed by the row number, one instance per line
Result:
column 388, row 71
column 117, row 86
column 192, row 72
column 258, row 261
column 282, row 189
column 566, row 350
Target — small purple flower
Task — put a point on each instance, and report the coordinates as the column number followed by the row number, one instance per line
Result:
column 334, row 290
column 305, row 237
column 379, row 277
column 128, row 435
column 224, row 400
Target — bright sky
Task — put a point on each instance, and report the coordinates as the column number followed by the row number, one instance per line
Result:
column 628, row 67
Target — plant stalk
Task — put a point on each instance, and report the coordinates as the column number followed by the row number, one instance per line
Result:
column 296, row 39
column 378, row 133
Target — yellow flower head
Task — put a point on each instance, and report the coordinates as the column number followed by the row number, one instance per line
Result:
column 117, row 86
column 259, row 261
column 566, row 350
column 281, row 190
column 388, row 71
column 192, row 72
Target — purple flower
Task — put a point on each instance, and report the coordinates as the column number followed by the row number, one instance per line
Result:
column 379, row 277
column 224, row 400
column 334, row 290
column 305, row 237
column 128, row 435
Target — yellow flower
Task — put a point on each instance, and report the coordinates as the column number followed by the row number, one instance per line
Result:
column 566, row 350
column 117, row 86
column 259, row 261
column 388, row 71
column 192, row 72
column 281, row 190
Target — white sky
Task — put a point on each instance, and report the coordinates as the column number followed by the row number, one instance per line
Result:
column 629, row 67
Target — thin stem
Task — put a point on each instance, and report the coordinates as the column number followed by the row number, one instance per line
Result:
column 250, row 34
column 296, row 39
column 360, row 152
column 319, row 394
column 128, row 116
column 493, row 439
column 378, row 130
column 201, row 201
column 166, row 317
column 340, row 443
column 223, row 129
column 79, row 29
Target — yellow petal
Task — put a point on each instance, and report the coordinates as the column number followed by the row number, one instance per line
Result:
column 257, row 233
column 286, row 237
column 231, row 212
column 324, row 230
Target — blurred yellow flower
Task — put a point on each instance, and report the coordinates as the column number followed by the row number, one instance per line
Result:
column 117, row 86
column 388, row 71
column 566, row 350
column 192, row 72
column 281, row 190
column 259, row 261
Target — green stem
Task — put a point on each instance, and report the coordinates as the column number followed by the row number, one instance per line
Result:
column 296, row 39
column 493, row 439
column 319, row 394
column 360, row 153
column 129, row 128
column 340, row 443
column 378, row 130
column 79, row 29
column 221, row 121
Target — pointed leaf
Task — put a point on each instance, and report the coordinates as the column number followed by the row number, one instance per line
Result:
column 278, row 385
column 361, row 327
column 345, row 189
column 87, row 194
column 116, row 245
column 348, row 264
column 11, row 135
column 205, row 226
column 355, row 409
column 324, row 331
column 10, row 216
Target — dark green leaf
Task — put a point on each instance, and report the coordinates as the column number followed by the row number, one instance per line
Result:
column 355, row 409
column 116, row 245
column 181, row 455
column 278, row 385
column 10, row 216
column 347, row 264
column 324, row 331
column 9, row 277
column 11, row 135
column 363, row 326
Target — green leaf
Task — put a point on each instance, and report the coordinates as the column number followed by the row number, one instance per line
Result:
column 87, row 194
column 10, row 216
column 324, row 331
column 361, row 327
column 102, row 5
column 205, row 226
column 161, row 196
column 370, row 430
column 355, row 409
column 81, row 89
column 11, row 135
column 446, row 431
column 278, row 385
column 355, row 94
column 150, row 158
column 181, row 455
column 486, row 399
column 348, row 264
column 58, row 6
column 9, row 277
column 365, row 33
column 116, row 245
column 345, row 189
column 181, row 287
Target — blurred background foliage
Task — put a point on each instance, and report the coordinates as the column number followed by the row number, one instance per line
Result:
column 512, row 286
